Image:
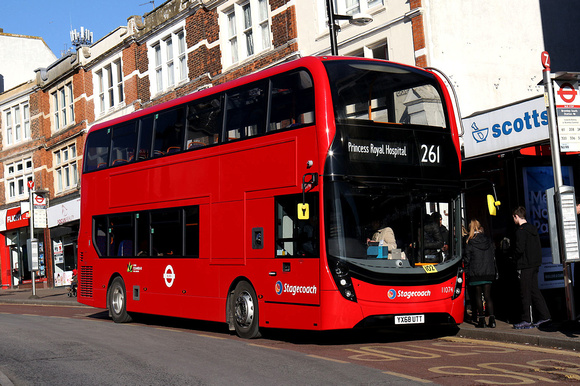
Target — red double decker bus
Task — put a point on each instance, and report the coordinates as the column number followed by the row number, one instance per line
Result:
column 298, row 197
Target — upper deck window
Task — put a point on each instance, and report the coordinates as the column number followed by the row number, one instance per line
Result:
column 246, row 111
column 381, row 92
column 282, row 102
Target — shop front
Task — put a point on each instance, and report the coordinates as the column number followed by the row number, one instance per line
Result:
column 14, row 231
column 63, row 222
column 509, row 148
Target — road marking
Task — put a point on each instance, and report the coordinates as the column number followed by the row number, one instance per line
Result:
column 407, row 377
column 262, row 346
column 511, row 345
column 327, row 359
column 211, row 336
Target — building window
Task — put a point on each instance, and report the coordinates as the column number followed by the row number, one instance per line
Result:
column 17, row 176
column 63, row 106
column 17, row 123
column 352, row 7
column 110, row 86
column 169, row 58
column 65, row 168
column 248, row 29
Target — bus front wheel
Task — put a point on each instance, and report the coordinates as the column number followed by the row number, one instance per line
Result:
column 245, row 311
column 117, row 301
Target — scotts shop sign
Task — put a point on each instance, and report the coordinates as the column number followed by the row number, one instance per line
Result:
column 509, row 127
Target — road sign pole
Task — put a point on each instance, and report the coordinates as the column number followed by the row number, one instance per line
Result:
column 31, row 221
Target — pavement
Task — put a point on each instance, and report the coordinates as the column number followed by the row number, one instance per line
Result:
column 558, row 334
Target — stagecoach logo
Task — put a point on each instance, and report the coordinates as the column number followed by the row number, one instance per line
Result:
column 133, row 268
column 392, row 294
column 169, row 276
column 294, row 289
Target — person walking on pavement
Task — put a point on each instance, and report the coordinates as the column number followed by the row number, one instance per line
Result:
column 481, row 270
column 528, row 256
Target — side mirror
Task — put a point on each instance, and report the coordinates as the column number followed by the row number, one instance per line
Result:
column 492, row 205
column 309, row 182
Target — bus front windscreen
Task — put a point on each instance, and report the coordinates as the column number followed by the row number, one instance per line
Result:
column 402, row 225
column 391, row 177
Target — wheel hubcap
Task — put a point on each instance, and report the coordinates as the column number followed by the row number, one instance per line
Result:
column 244, row 309
column 117, row 299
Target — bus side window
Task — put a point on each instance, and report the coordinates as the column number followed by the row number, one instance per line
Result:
column 143, row 234
column 192, row 231
column 167, row 232
column 100, row 235
column 97, row 154
column 145, row 137
column 123, row 144
column 246, row 111
column 169, row 131
column 204, row 123
column 121, row 235
column 292, row 101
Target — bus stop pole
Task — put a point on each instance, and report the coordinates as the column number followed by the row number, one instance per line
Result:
column 558, row 183
column 31, row 220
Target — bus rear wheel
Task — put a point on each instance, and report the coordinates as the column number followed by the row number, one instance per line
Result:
column 117, row 301
column 245, row 311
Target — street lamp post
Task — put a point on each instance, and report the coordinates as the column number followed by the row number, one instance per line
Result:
column 358, row 20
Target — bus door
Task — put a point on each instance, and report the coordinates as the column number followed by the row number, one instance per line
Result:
column 296, row 277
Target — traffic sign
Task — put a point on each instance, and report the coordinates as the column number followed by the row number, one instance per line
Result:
column 30, row 184
column 546, row 60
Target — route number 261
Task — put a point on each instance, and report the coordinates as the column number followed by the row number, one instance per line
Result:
column 430, row 154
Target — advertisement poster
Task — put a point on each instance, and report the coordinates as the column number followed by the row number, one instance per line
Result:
column 536, row 180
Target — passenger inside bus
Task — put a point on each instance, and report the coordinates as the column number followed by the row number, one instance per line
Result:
column 433, row 241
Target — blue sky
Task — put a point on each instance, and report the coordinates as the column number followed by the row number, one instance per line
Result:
column 52, row 19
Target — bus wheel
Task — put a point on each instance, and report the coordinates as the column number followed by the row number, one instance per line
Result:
column 117, row 301
column 245, row 311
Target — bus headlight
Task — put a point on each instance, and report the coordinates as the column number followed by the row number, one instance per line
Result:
column 458, row 283
column 341, row 275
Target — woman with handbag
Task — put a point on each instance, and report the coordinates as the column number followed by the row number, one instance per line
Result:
column 481, row 269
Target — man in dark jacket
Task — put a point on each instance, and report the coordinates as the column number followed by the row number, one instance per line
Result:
column 528, row 255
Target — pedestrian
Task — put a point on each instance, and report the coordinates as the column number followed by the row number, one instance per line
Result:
column 481, row 271
column 528, row 256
